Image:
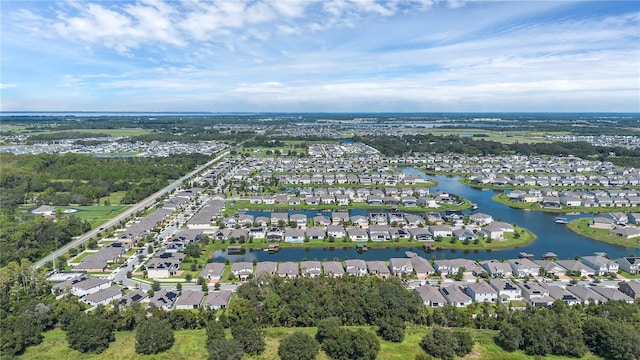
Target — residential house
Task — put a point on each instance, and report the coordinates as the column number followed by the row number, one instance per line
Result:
column 536, row 294
column 600, row 264
column 164, row 266
column 212, row 271
column 480, row 219
column 217, row 300
column 507, row 290
column 379, row 233
column 336, row 231
column 378, row 268
column 630, row 288
column 630, row 264
column 440, row 231
column 104, row 296
column 496, row 268
column 333, row 268
column 455, row 296
column 134, row 296
column 558, row 292
column 401, row 266
column 524, row 267
column 431, row 296
column 421, row 234
column 549, row 267
column 356, row 267
column 576, row 267
column 294, row 235
column 357, row 234
column 586, row 294
column 421, row 267
column 627, row 232
column 613, row 294
column 190, row 299
column 482, row 292
column 288, row 269
column 267, row 267
column 316, row 233
column 242, row 270
column 164, row 299
column 310, row 268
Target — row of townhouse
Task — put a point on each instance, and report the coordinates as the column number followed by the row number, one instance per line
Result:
column 416, row 265
column 594, row 198
column 363, row 231
column 189, row 299
column 588, row 266
column 534, row 293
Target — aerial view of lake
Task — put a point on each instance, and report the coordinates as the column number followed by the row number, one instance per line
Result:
column 551, row 236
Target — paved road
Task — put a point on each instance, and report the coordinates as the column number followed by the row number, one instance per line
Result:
column 132, row 210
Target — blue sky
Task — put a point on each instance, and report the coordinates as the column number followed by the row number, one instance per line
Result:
column 320, row 56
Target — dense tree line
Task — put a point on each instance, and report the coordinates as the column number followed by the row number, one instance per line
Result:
column 429, row 143
column 273, row 301
column 32, row 237
column 75, row 178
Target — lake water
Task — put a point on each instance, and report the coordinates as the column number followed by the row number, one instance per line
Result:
column 551, row 236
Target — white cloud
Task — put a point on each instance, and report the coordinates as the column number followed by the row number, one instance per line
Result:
column 7, row 86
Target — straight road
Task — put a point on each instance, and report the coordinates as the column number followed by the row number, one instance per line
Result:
column 144, row 204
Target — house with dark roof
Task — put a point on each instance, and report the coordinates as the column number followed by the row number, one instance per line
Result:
column 455, row 296
column 217, row 300
column 431, row 296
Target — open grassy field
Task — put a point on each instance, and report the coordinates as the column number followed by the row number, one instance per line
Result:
column 22, row 129
column 190, row 344
column 498, row 136
column 96, row 215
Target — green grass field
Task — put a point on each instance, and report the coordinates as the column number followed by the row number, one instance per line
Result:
column 190, row 344
column 96, row 215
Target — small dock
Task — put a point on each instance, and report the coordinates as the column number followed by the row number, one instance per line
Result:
column 524, row 255
column 410, row 254
column 429, row 247
column 549, row 255
column 361, row 247
column 561, row 220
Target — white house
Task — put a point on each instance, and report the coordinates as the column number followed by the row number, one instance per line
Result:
column 482, row 292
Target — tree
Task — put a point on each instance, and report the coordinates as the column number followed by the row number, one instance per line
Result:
column 155, row 286
column 249, row 335
column 352, row 345
column 298, row 346
column 225, row 349
column 327, row 328
column 89, row 334
column 509, row 337
column 215, row 331
column 439, row 343
column 391, row 329
column 464, row 342
column 153, row 336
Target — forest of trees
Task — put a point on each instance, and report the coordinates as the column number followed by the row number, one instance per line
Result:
column 27, row 308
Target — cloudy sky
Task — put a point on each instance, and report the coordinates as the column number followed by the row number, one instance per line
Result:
column 320, row 55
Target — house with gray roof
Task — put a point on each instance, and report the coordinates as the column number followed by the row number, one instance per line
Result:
column 455, row 296
column 577, row 267
column 103, row 297
column 630, row 264
column 401, row 266
column 613, row 294
column 482, row 292
column 333, row 268
column 422, row 267
column 288, row 269
column 524, row 267
column 431, row 296
column 164, row 299
column 310, row 268
column 586, row 294
column 378, row 268
column 190, row 299
column 630, row 288
column 600, row 264
column 266, row 267
column 217, row 300
column 536, row 294
column 507, row 290
column 356, row 267
column 212, row 271
column 134, row 296
column 496, row 268
column 558, row 292
column 242, row 270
